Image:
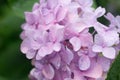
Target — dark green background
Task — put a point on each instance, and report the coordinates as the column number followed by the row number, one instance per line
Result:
column 13, row 64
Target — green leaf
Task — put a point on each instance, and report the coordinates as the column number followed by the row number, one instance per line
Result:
column 114, row 72
column 20, row 6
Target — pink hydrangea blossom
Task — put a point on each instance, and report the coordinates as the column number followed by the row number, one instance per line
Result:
column 56, row 37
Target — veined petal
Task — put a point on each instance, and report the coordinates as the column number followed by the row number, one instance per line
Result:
column 84, row 62
column 48, row 71
column 67, row 56
column 56, row 61
column 70, row 55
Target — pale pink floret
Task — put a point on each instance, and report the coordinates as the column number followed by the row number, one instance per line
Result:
column 57, row 37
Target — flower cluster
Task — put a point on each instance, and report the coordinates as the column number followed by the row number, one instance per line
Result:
column 66, row 42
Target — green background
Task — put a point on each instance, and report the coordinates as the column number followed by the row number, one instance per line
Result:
column 13, row 64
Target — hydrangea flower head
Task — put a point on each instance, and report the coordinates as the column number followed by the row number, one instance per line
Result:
column 56, row 37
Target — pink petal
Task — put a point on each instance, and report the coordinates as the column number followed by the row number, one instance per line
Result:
column 109, row 52
column 56, row 33
column 84, row 62
column 111, row 37
column 76, row 43
column 42, row 1
column 30, row 17
column 36, row 6
column 64, row 2
column 52, row 3
column 85, row 2
column 31, row 54
column 56, row 46
column 56, row 61
column 38, row 57
column 91, row 53
column 73, row 7
column 59, row 33
column 33, row 73
column 58, row 76
column 78, row 76
column 35, row 45
column 78, row 27
column 61, row 13
column 38, row 65
column 98, row 40
column 25, row 46
column 23, row 35
column 110, row 17
column 48, row 71
column 68, row 79
column 49, row 18
column 100, row 28
column 101, row 78
column 45, row 50
column 72, row 18
column 70, row 55
column 94, row 72
column 99, row 12
column 86, row 39
column 105, row 63
column 67, row 56
column 97, row 48
column 41, row 37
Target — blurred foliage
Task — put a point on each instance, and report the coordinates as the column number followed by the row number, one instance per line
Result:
column 112, row 6
column 21, row 5
column 13, row 64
